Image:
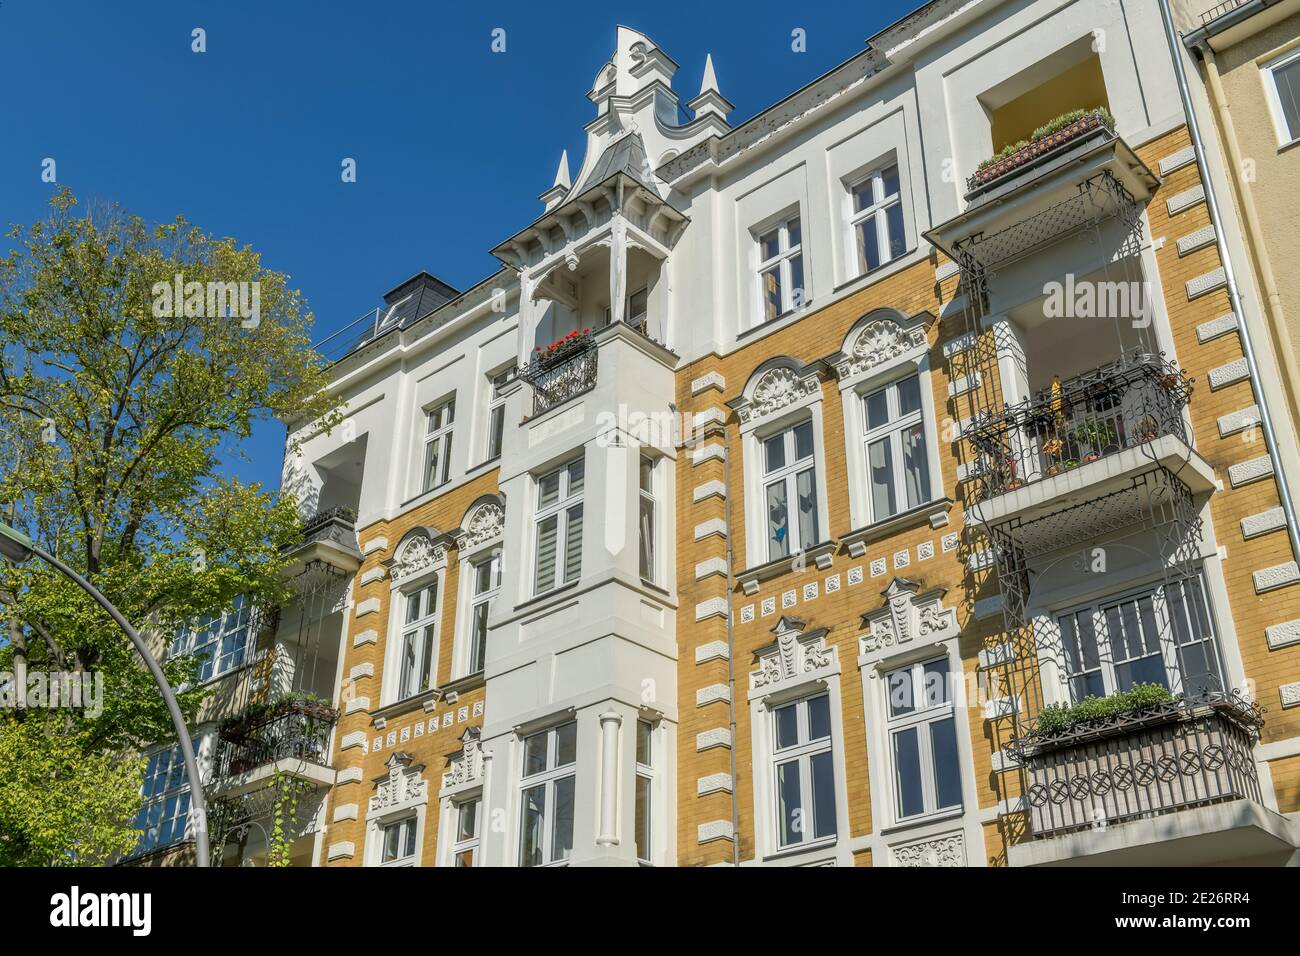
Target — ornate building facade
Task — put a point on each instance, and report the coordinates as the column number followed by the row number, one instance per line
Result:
column 873, row 482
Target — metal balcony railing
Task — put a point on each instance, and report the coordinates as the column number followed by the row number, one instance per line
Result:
column 1102, row 412
column 1171, row 756
column 561, row 373
column 298, row 731
column 1219, row 10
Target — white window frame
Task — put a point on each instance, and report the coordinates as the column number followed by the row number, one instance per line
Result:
column 223, row 642
column 471, row 844
column 406, row 859
column 801, row 754
column 414, row 807
column 1167, row 647
column 645, row 771
column 921, row 718
column 788, row 476
column 398, row 628
column 1285, row 135
column 792, row 300
column 438, row 433
column 648, row 531
column 892, row 433
column 853, row 389
column 495, row 415
column 473, row 600
column 878, row 211
column 553, row 774
column 562, row 510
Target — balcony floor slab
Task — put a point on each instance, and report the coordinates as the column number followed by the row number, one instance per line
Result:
column 1096, row 479
column 1238, row 832
column 238, row 784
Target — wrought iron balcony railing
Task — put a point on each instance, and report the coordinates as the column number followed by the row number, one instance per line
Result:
column 558, row 375
column 1171, row 756
column 298, row 731
column 1121, row 405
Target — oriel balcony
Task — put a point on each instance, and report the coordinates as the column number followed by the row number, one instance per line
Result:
column 1172, row 782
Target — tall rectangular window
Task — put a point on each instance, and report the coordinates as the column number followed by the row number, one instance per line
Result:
column 877, row 219
column 496, row 424
column 419, row 641
column 646, row 518
column 790, row 490
column 397, row 846
column 1158, row 636
column 546, row 824
column 464, row 849
column 805, row 774
column 558, row 524
column 643, row 805
column 922, row 729
column 898, row 464
column 780, row 270
column 485, row 578
column 437, row 444
column 220, row 642
column 165, row 803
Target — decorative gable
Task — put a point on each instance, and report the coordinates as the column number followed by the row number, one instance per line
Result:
column 417, row 553
column 467, row 767
column 404, row 787
column 795, row 658
column 878, row 343
column 487, row 521
column 907, row 617
column 777, row 388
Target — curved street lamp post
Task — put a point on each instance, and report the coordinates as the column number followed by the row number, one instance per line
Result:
column 19, row 548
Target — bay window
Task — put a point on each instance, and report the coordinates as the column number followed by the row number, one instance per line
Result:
column 558, row 527
column 643, row 801
column 646, row 517
column 548, row 786
column 898, row 468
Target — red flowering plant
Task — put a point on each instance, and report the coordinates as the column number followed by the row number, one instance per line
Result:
column 559, row 350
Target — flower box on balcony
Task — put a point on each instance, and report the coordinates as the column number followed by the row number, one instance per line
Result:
column 1059, row 132
column 1154, row 758
column 562, row 350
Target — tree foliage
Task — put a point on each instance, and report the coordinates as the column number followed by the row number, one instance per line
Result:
column 113, row 421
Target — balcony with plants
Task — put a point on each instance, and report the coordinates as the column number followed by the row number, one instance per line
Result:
column 1084, row 437
column 1065, row 133
column 1145, row 754
column 289, row 736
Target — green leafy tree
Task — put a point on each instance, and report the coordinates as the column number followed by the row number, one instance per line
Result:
column 116, row 407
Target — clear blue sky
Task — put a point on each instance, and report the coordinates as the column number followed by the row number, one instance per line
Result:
column 453, row 142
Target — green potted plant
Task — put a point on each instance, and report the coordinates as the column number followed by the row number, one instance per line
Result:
column 1094, row 434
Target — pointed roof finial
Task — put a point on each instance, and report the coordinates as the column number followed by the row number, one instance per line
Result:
column 562, row 174
column 710, row 81
column 710, row 102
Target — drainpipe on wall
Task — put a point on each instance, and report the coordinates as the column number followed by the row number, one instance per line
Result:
column 731, row 648
column 1243, row 327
